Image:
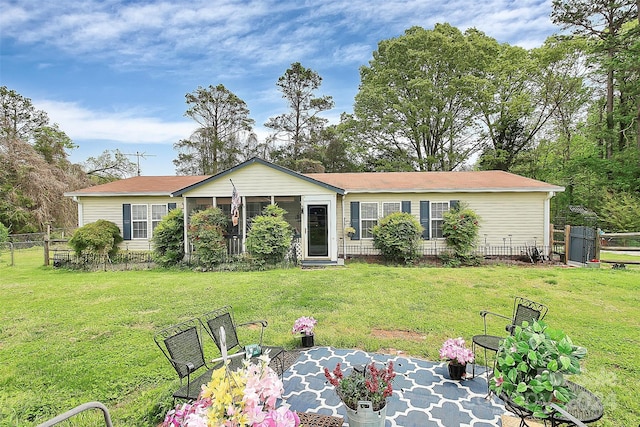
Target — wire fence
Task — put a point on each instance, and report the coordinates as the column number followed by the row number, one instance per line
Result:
column 533, row 253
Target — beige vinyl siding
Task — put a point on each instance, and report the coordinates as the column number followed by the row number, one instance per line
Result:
column 92, row 209
column 518, row 214
column 259, row 180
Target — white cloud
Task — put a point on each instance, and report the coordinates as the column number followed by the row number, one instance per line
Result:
column 129, row 127
column 169, row 34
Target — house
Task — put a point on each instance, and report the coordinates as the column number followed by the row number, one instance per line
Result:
column 514, row 210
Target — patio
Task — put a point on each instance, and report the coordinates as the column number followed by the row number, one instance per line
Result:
column 423, row 395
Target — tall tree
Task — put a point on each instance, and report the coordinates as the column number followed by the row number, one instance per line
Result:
column 35, row 170
column 601, row 21
column 18, row 117
column 225, row 129
column 52, row 143
column 519, row 91
column 413, row 110
column 296, row 127
column 109, row 166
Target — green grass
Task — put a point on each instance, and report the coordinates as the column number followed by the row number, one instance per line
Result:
column 71, row 337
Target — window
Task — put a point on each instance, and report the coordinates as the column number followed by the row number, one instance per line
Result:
column 368, row 218
column 157, row 213
column 390, row 207
column 437, row 218
column 139, row 221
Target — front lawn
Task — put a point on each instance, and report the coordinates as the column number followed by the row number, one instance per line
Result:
column 71, row 337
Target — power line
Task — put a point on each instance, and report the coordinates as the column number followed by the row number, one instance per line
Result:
column 138, row 156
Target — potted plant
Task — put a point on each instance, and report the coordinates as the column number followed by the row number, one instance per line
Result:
column 245, row 397
column 456, row 352
column 305, row 326
column 593, row 263
column 364, row 391
column 530, row 368
column 350, row 231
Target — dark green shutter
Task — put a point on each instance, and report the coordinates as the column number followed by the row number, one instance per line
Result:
column 171, row 206
column 355, row 219
column 406, row 206
column 126, row 221
column 453, row 204
column 424, row 218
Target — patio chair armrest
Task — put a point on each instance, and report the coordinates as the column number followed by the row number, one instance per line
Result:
column 484, row 314
column 190, row 366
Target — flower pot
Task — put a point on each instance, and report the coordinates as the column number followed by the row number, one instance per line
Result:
column 307, row 340
column 593, row 264
column 457, row 371
column 365, row 416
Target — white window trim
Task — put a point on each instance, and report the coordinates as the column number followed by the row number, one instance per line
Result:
column 133, row 221
column 151, row 220
column 376, row 219
column 399, row 203
column 432, row 219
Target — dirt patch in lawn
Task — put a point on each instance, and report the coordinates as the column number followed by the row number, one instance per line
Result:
column 393, row 334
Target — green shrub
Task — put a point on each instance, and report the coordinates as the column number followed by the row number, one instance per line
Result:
column 269, row 238
column 168, row 239
column 4, row 233
column 460, row 229
column 100, row 237
column 619, row 212
column 398, row 237
column 206, row 233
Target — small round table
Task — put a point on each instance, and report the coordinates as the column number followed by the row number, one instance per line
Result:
column 585, row 407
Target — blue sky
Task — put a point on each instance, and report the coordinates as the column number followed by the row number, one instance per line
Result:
column 113, row 74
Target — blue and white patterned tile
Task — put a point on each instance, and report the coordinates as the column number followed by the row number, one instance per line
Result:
column 423, row 396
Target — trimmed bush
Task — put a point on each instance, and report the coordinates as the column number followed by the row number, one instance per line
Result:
column 460, row 229
column 168, row 239
column 397, row 236
column 101, row 237
column 269, row 238
column 206, row 233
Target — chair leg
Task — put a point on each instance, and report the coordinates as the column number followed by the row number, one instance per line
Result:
column 486, row 371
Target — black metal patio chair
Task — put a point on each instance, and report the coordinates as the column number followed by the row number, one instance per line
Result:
column 213, row 320
column 523, row 310
column 182, row 345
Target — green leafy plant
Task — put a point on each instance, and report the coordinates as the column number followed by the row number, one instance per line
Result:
column 100, row 237
column 398, row 237
column 460, row 229
column 269, row 238
column 205, row 232
column 168, row 239
column 531, row 365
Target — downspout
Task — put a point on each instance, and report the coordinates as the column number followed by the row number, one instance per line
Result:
column 547, row 219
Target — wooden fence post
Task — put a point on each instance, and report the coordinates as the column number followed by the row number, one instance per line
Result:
column 46, row 251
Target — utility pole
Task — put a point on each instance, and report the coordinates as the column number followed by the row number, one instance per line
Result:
column 138, row 156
